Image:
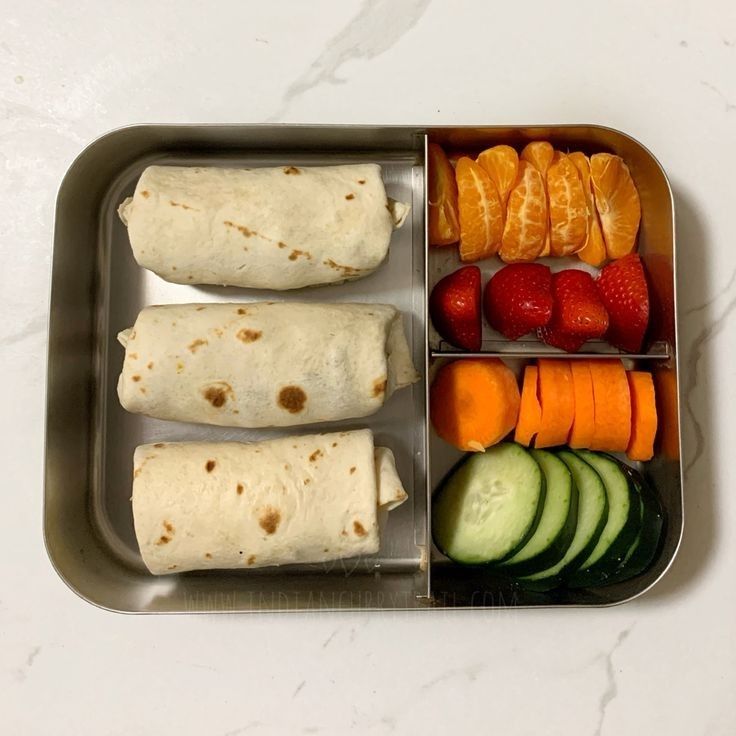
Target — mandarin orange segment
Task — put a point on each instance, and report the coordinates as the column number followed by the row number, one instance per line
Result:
column 568, row 213
column 617, row 202
column 444, row 225
column 526, row 217
column 593, row 251
column 502, row 165
column 540, row 155
column 454, row 156
column 481, row 214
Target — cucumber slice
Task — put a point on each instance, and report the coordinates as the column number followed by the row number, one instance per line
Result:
column 592, row 516
column 622, row 526
column 489, row 506
column 557, row 522
column 643, row 550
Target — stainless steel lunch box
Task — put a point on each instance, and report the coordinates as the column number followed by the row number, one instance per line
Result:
column 97, row 289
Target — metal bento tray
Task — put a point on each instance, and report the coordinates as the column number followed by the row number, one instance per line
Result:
column 98, row 289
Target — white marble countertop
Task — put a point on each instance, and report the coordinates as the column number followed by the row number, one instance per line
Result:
column 665, row 72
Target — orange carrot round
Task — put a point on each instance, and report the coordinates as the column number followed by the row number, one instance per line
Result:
column 474, row 402
column 612, row 402
column 530, row 411
column 643, row 416
column 558, row 402
column 583, row 425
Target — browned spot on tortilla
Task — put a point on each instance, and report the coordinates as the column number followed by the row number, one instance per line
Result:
column 133, row 356
column 379, row 387
column 239, row 488
column 247, row 335
column 251, row 559
column 270, row 520
column 132, row 337
column 142, row 390
column 173, row 268
column 346, row 270
column 313, row 457
column 171, row 567
column 136, row 378
column 353, row 469
column 195, row 344
column 191, row 278
column 163, row 539
column 296, row 253
column 217, row 394
column 359, row 529
column 150, row 366
column 208, row 555
column 326, row 549
column 210, row 466
column 292, row 398
column 242, row 311
column 218, row 332
column 168, row 526
column 159, row 444
column 291, row 170
column 137, row 472
column 199, row 309
column 242, row 229
column 179, row 367
column 145, row 194
column 334, row 444
column 183, row 206
column 388, row 207
column 282, row 244
column 350, row 196
column 361, row 181
column 307, row 481
column 344, row 533
column 236, row 411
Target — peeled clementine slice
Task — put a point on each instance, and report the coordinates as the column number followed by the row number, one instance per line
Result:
column 454, row 156
column 444, row 225
column 526, row 217
column 568, row 213
column 481, row 214
column 617, row 202
column 594, row 249
column 540, row 154
column 502, row 165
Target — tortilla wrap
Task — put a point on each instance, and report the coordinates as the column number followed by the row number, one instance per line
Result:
column 268, row 228
column 201, row 506
column 269, row 364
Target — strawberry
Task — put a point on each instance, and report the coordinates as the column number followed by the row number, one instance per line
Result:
column 622, row 287
column 578, row 312
column 454, row 307
column 518, row 299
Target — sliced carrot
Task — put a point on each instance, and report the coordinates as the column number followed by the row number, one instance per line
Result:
column 667, row 403
column 530, row 411
column 474, row 402
column 583, row 425
column 558, row 402
column 612, row 401
column 643, row 416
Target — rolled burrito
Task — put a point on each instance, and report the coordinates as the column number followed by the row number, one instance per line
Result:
column 263, row 364
column 201, row 506
column 270, row 228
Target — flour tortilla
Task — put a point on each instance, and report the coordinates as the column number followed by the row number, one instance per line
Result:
column 267, row 228
column 263, row 364
column 202, row 506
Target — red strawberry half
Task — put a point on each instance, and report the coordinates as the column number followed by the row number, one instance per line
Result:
column 518, row 299
column 454, row 307
column 622, row 286
column 578, row 314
